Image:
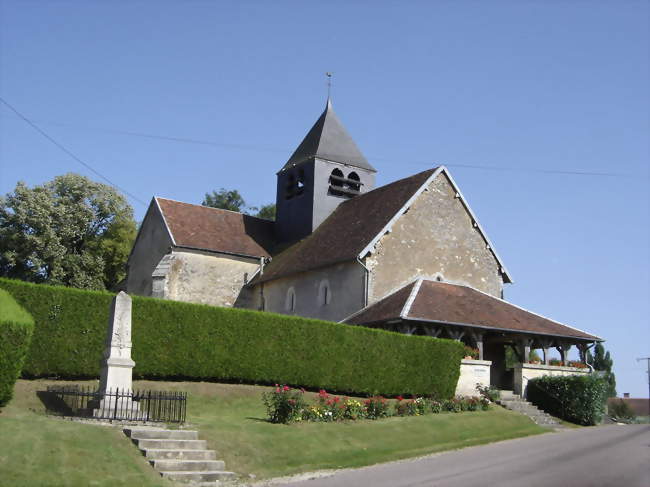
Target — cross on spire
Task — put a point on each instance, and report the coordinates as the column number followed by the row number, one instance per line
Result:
column 329, row 83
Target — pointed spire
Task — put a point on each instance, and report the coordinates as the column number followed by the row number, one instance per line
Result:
column 328, row 139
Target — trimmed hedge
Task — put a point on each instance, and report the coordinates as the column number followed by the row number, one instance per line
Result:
column 16, row 327
column 576, row 398
column 191, row 341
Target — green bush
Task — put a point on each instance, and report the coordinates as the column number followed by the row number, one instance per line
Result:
column 191, row 341
column 619, row 409
column 576, row 398
column 16, row 327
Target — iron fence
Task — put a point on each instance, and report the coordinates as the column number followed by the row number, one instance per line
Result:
column 118, row 404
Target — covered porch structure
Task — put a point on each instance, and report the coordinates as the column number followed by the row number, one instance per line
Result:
column 502, row 334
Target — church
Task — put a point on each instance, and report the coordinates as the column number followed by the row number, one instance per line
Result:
column 409, row 256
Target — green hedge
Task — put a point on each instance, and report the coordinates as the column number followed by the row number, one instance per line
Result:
column 576, row 398
column 190, row 341
column 16, row 327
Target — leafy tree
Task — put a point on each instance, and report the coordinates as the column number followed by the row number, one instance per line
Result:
column 226, row 199
column 69, row 231
column 231, row 199
column 267, row 212
column 602, row 361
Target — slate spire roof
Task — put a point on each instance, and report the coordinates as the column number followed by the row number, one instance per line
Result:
column 328, row 139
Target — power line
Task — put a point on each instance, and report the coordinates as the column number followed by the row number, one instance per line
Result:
column 187, row 140
column 70, row 153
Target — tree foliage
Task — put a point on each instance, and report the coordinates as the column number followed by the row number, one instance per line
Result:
column 69, row 231
column 231, row 199
column 602, row 361
column 226, row 199
column 267, row 212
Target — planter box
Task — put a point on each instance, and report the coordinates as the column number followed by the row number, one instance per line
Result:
column 472, row 372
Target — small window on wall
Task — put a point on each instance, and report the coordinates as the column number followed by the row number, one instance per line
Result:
column 324, row 293
column 290, row 303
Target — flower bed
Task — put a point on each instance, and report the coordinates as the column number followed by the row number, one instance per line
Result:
column 287, row 405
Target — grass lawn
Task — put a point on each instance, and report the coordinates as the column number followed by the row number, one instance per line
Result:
column 37, row 450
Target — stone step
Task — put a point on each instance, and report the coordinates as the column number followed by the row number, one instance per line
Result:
column 187, row 465
column 171, row 444
column 161, row 434
column 153, row 454
column 207, row 476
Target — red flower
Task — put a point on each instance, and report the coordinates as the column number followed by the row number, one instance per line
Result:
column 337, row 399
column 399, row 398
column 286, row 388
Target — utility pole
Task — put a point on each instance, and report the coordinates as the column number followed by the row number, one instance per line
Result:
column 647, row 359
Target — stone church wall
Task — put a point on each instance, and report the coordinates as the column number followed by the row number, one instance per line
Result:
column 152, row 243
column 197, row 277
column 435, row 237
column 345, row 282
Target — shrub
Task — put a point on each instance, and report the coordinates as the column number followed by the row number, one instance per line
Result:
column 376, row 407
column 406, row 407
column 436, row 406
column 621, row 410
column 16, row 327
column 576, row 398
column 183, row 340
column 284, row 405
column 471, row 352
column 490, row 393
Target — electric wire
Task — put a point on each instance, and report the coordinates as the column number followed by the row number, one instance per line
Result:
column 70, row 153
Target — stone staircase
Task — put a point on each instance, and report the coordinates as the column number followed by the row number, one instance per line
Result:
column 515, row 402
column 179, row 455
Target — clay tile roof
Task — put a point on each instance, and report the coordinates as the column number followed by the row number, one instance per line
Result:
column 439, row 302
column 205, row 228
column 347, row 231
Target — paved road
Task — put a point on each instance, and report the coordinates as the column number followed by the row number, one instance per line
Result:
column 591, row 457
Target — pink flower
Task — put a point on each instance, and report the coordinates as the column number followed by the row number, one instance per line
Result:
column 286, row 388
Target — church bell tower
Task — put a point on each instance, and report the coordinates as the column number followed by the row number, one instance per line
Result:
column 325, row 170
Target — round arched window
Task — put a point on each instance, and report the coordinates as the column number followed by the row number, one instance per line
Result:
column 354, row 181
column 324, row 293
column 336, row 178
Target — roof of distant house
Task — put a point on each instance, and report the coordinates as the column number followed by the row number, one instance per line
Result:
column 216, row 230
column 435, row 302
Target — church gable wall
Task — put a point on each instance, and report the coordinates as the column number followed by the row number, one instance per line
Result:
column 345, row 283
column 436, row 236
column 152, row 243
column 198, row 277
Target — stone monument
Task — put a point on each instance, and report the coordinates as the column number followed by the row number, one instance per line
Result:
column 117, row 365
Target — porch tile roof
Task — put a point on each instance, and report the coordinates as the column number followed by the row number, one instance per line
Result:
column 444, row 303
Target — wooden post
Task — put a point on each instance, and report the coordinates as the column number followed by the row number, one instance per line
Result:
column 477, row 336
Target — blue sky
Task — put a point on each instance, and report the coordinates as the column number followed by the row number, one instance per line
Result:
column 523, row 92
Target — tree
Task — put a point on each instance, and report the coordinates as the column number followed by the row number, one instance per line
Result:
column 602, row 361
column 231, row 199
column 226, row 200
column 69, row 231
column 267, row 212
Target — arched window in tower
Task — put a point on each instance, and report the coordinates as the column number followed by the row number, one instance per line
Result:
column 354, row 182
column 290, row 187
column 300, row 183
column 290, row 302
column 336, row 179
